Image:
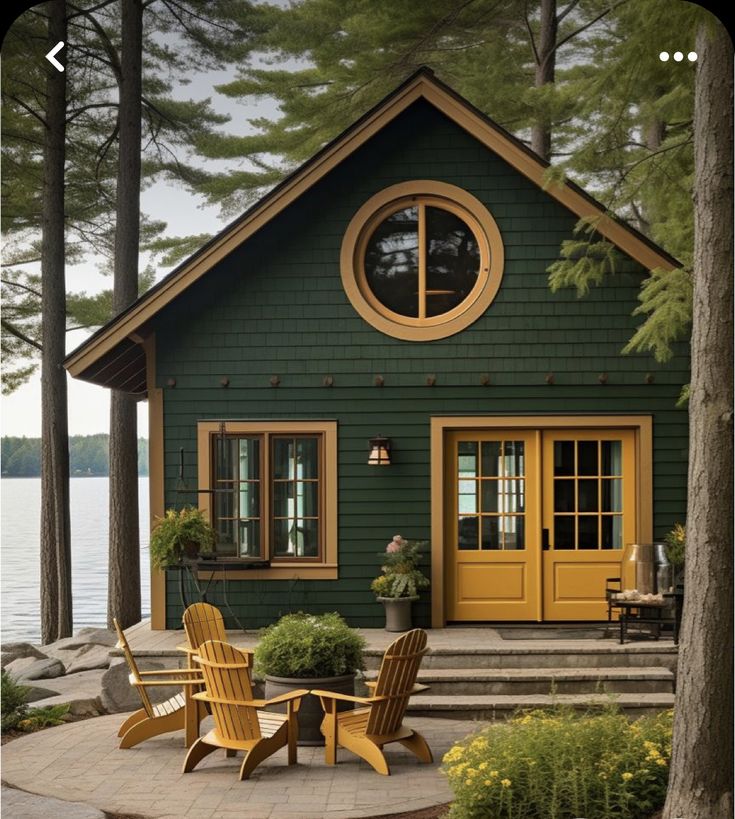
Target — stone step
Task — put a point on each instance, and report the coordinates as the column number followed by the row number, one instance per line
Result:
column 647, row 654
column 522, row 681
column 498, row 706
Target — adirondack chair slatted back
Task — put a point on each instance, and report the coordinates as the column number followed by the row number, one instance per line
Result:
column 227, row 677
column 122, row 643
column 396, row 678
column 203, row 622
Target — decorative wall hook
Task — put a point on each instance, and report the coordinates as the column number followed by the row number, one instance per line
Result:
column 171, row 382
column 485, row 380
column 549, row 378
column 328, row 381
column 602, row 378
column 649, row 378
column 430, row 380
column 275, row 381
column 225, row 381
column 379, row 381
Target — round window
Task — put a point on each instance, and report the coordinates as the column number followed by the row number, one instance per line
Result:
column 422, row 260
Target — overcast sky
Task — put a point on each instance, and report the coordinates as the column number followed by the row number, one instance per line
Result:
column 20, row 413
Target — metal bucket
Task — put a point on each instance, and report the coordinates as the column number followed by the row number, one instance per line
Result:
column 645, row 570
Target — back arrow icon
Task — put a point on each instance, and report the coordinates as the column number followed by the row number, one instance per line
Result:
column 54, row 51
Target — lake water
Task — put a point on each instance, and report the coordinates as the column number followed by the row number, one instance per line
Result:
column 20, row 504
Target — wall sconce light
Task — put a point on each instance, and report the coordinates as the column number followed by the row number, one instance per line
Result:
column 379, row 451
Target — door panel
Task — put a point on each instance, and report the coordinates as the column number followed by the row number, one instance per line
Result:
column 589, row 514
column 492, row 525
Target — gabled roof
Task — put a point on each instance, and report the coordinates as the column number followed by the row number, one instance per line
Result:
column 114, row 357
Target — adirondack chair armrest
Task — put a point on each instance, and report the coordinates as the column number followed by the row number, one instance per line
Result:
column 289, row 696
column 170, row 672
column 168, row 683
column 333, row 695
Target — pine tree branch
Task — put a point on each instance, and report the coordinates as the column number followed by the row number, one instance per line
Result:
column 573, row 34
column 112, row 54
column 27, row 108
column 19, row 286
column 566, row 11
column 91, row 10
column 21, row 336
column 20, row 263
column 530, row 33
column 83, row 110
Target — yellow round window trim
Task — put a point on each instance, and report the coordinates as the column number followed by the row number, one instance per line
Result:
column 437, row 194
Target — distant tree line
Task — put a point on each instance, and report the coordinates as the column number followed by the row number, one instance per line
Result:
column 88, row 455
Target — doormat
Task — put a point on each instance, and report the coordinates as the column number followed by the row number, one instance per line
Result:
column 572, row 633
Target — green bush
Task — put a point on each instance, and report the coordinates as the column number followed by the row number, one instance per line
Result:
column 12, row 702
column 45, row 717
column 558, row 764
column 307, row 645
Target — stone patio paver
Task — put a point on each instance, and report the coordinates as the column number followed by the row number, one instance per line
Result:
column 80, row 761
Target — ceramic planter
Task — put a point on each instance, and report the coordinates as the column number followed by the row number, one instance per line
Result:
column 310, row 714
column 397, row 612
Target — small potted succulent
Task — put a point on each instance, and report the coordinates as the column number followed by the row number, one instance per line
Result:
column 179, row 535
column 309, row 651
column 397, row 588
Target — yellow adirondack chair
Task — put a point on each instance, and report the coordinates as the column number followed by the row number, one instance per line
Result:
column 240, row 722
column 365, row 731
column 203, row 622
column 153, row 720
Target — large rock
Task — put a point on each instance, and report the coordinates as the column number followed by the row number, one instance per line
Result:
column 89, row 657
column 17, row 651
column 81, row 692
column 117, row 693
column 84, row 637
column 36, row 692
column 38, row 669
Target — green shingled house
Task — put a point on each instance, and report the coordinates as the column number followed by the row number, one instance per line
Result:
column 395, row 288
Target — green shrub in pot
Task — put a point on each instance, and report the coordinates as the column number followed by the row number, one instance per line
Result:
column 309, row 651
column 179, row 534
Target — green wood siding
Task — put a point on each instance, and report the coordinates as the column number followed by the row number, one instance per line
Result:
column 276, row 306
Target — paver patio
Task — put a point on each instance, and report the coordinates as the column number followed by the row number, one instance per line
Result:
column 81, row 762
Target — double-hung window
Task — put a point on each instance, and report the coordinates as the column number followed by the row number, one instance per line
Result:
column 271, row 490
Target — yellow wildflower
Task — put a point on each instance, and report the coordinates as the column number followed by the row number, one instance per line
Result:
column 488, row 782
column 506, row 783
column 627, row 775
column 493, row 773
column 660, row 761
column 482, row 766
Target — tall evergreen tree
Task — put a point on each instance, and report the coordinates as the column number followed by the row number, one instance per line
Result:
column 700, row 783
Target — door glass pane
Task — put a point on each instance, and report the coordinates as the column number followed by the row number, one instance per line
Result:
column 283, row 457
column 467, row 459
column 491, row 533
column 564, row 496
column 612, row 493
column 514, row 530
column 249, row 538
column 491, row 496
column 452, row 261
column 513, row 457
column 563, row 457
column 587, row 531
column 564, row 532
column 587, row 496
column 307, row 453
column 468, row 533
column 612, row 532
column 612, row 457
column 468, row 497
column 514, row 500
column 391, row 262
column 587, row 458
column 490, row 459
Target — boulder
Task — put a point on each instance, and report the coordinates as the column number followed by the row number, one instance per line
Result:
column 85, row 636
column 89, row 657
column 18, row 666
column 117, row 693
column 35, row 693
column 17, row 651
column 38, row 670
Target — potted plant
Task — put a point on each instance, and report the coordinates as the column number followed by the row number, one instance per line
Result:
column 397, row 588
column 180, row 535
column 675, row 547
column 309, row 651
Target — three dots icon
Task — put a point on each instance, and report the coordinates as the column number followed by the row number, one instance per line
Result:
column 678, row 56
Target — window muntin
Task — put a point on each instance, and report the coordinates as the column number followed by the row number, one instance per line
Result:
column 422, row 260
column 279, row 473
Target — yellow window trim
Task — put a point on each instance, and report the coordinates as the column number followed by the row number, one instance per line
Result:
column 327, row 568
column 422, row 192
column 642, row 425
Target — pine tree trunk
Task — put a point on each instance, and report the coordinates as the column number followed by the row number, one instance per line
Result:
column 123, row 596
column 56, row 602
column 700, row 784
column 545, row 66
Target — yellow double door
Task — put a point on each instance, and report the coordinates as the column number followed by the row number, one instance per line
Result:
column 535, row 521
